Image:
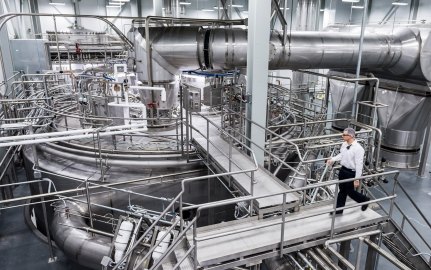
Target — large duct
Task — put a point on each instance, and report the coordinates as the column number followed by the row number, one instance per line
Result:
column 401, row 55
column 403, row 123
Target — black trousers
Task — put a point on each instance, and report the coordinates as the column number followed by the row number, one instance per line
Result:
column 348, row 189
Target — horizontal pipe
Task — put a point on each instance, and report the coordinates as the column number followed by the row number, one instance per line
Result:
column 401, row 53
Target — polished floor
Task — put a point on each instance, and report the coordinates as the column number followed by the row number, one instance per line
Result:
column 20, row 249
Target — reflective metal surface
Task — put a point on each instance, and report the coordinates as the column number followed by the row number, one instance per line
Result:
column 404, row 120
column 225, row 48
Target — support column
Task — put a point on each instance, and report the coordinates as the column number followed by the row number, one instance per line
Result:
column 371, row 255
column 257, row 72
column 157, row 8
column 345, row 252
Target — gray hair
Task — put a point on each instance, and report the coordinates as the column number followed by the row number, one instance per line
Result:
column 350, row 131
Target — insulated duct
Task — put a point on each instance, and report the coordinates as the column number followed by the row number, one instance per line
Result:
column 401, row 55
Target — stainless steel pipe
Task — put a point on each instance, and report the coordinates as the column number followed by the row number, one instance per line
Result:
column 403, row 53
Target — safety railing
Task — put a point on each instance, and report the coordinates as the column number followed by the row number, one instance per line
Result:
column 403, row 218
column 178, row 199
column 193, row 224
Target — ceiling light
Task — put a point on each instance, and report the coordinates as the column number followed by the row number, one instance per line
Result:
column 185, row 3
column 207, row 10
column 322, row 10
column 358, row 7
column 399, row 3
column 238, row 6
column 115, row 4
column 57, row 3
column 351, row 1
column 121, row 1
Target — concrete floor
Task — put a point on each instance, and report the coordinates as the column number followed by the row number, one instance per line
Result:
column 20, row 249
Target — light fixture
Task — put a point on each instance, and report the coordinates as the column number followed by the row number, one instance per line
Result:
column 121, row 1
column 358, row 7
column 399, row 3
column 322, row 10
column 238, row 6
column 207, row 10
column 115, row 4
column 351, row 1
column 56, row 3
column 185, row 3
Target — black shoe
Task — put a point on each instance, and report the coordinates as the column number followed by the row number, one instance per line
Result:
column 365, row 206
column 336, row 213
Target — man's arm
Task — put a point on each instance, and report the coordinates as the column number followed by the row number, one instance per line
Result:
column 359, row 164
column 334, row 159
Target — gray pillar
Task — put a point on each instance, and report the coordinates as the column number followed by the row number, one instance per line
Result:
column 345, row 252
column 259, row 12
column 371, row 255
column 157, row 8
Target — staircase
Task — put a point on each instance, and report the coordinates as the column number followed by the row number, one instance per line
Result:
column 179, row 259
column 402, row 248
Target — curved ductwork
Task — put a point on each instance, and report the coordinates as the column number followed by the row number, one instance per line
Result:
column 403, row 53
column 81, row 246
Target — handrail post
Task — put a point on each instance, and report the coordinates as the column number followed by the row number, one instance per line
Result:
column 208, row 143
column 182, row 119
column 359, row 253
column 181, row 213
column 230, row 154
column 195, row 242
column 283, row 219
column 391, row 208
column 251, row 191
column 269, row 152
column 333, row 213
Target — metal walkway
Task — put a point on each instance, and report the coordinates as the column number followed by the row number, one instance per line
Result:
column 234, row 244
column 266, row 183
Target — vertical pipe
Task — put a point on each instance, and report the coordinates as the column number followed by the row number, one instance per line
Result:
column 361, row 243
column 52, row 258
column 56, row 40
column 181, row 214
column 333, row 213
column 283, row 220
column 371, row 255
column 186, row 105
column 181, row 122
column 195, row 242
column 358, row 66
column 252, row 192
column 87, row 194
column 344, row 251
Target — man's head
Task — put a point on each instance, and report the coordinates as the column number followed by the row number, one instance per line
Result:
column 349, row 135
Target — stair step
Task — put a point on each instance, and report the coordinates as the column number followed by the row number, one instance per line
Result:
column 168, row 265
column 180, row 252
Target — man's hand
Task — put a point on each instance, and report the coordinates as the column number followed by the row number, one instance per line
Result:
column 329, row 162
column 356, row 183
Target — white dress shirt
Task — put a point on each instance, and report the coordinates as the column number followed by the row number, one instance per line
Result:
column 352, row 158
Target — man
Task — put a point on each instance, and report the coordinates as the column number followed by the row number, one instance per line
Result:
column 351, row 158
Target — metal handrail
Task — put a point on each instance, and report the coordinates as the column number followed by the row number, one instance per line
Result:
column 266, row 151
column 212, row 176
column 336, row 182
column 405, row 217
